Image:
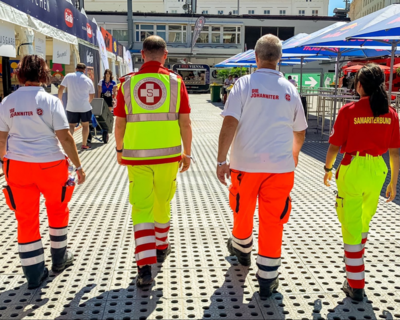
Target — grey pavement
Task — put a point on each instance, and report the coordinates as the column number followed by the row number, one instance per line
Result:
column 199, row 279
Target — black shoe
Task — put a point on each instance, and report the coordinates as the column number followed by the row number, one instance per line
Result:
column 355, row 294
column 267, row 287
column 44, row 277
column 243, row 258
column 162, row 254
column 68, row 261
column 144, row 276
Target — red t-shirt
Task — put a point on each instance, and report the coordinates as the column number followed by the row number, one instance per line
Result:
column 119, row 110
column 356, row 130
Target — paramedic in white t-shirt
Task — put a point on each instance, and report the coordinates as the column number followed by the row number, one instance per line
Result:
column 80, row 95
column 265, row 127
column 32, row 127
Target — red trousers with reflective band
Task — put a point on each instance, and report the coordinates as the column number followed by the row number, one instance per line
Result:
column 26, row 181
column 273, row 194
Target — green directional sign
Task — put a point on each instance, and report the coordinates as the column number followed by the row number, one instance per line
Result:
column 311, row 80
column 328, row 79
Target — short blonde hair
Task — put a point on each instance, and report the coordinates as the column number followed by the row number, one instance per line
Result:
column 269, row 48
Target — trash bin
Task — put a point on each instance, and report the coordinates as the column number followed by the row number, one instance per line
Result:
column 215, row 92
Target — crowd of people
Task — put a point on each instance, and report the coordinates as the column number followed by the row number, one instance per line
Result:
column 264, row 128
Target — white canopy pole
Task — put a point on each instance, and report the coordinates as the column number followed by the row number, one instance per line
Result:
column 301, row 74
column 394, row 47
column 336, row 84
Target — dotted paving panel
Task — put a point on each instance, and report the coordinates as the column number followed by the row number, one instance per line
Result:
column 199, row 279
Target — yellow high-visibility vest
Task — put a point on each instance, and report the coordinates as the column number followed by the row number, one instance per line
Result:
column 152, row 103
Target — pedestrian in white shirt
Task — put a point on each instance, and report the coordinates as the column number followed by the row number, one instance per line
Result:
column 80, row 95
column 32, row 127
column 265, row 126
column 292, row 81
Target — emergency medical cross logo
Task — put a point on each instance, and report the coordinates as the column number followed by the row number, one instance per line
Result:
column 150, row 93
column 288, row 97
column 39, row 111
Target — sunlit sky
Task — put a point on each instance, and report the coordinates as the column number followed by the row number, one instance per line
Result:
column 335, row 4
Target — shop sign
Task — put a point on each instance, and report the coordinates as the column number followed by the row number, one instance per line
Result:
column 90, row 57
column 61, row 52
column 120, row 50
column 59, row 14
column 7, row 40
column 40, row 44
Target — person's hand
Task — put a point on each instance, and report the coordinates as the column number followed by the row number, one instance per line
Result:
column 390, row 192
column 119, row 158
column 223, row 173
column 81, row 176
column 327, row 178
column 184, row 164
column 296, row 160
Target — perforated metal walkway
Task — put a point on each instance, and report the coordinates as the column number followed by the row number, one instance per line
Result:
column 199, row 280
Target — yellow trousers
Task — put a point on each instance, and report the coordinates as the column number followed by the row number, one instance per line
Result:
column 151, row 189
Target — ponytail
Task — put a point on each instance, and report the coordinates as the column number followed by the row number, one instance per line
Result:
column 372, row 79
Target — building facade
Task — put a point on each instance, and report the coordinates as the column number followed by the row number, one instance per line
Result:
column 221, row 7
column 361, row 8
column 221, row 37
column 253, row 7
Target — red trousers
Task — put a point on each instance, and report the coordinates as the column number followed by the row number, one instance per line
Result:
column 273, row 194
column 26, row 181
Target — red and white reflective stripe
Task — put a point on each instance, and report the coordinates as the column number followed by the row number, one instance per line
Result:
column 355, row 265
column 145, row 240
column 162, row 230
column 243, row 241
column 269, row 262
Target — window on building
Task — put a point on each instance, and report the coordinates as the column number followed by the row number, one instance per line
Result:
column 235, row 12
column 220, row 11
column 302, row 12
column 174, row 11
column 120, row 35
column 176, row 34
column 282, row 12
column 231, row 35
column 267, row 11
column 162, row 32
column 315, row 12
column 251, row 11
column 215, row 34
column 204, row 12
column 143, row 31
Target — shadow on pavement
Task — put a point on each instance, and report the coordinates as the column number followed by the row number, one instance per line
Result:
column 353, row 310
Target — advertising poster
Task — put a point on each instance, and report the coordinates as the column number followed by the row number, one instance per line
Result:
column 108, row 39
column 7, row 40
column 57, row 72
column 102, row 49
column 61, row 52
column 91, row 58
column 40, row 45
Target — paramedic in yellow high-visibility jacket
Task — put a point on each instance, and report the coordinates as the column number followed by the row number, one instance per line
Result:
column 153, row 121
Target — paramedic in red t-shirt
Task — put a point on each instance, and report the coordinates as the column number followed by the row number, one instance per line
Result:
column 363, row 131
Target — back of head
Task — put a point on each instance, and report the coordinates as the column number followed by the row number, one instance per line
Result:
column 289, row 77
column 372, row 79
column 33, row 68
column 81, row 67
column 269, row 49
column 154, row 48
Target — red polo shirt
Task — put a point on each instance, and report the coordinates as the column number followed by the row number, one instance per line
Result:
column 356, row 130
column 119, row 110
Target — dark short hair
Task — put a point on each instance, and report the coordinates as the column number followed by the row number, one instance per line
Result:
column 33, row 68
column 289, row 77
column 81, row 66
column 154, row 45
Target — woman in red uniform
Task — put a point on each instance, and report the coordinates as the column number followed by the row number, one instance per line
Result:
column 363, row 131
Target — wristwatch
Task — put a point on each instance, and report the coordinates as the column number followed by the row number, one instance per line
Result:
column 327, row 170
column 119, row 151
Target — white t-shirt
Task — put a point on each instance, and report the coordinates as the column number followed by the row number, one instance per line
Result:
column 269, row 109
column 79, row 87
column 31, row 116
